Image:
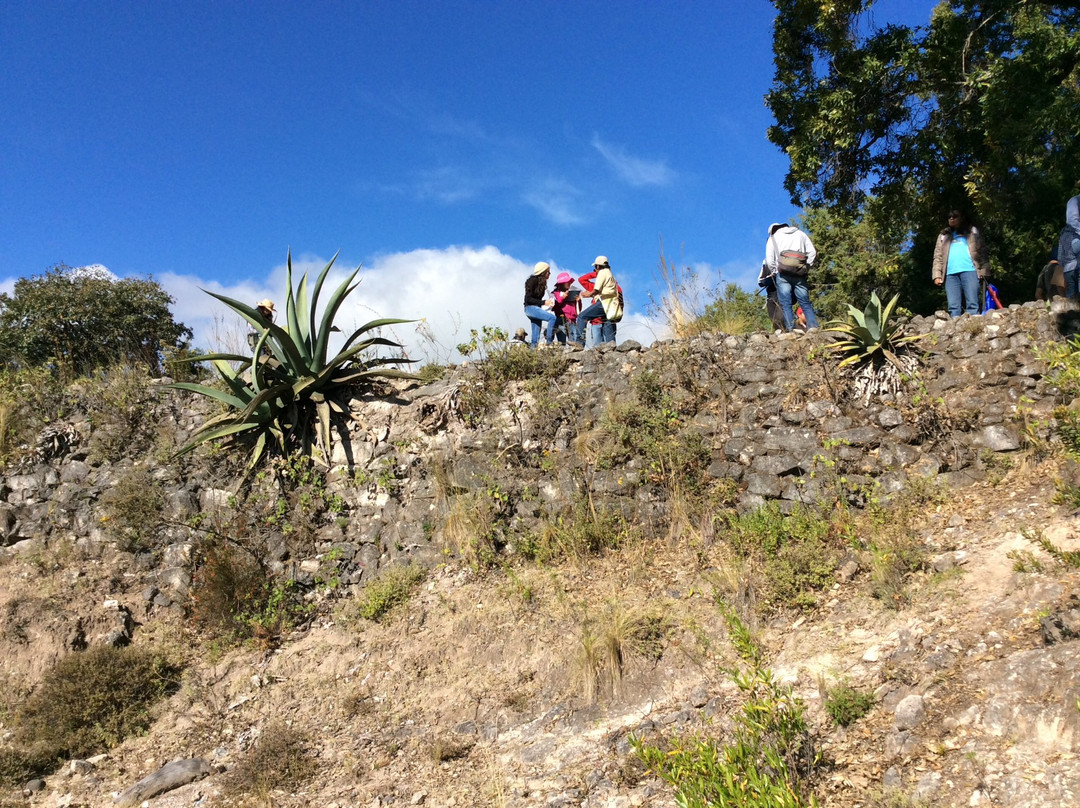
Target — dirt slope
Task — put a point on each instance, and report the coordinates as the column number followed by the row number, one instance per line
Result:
column 475, row 694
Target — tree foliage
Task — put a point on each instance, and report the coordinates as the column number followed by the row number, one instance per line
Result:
column 81, row 320
column 892, row 126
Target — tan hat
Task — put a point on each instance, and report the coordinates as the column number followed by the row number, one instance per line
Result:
column 601, row 261
column 265, row 304
column 541, row 267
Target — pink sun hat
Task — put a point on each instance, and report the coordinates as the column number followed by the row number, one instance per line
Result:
column 564, row 277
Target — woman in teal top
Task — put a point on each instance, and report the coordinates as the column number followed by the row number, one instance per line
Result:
column 960, row 263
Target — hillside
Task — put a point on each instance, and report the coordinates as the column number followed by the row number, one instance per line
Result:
column 527, row 653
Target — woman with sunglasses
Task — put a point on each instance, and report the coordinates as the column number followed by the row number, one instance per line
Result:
column 959, row 264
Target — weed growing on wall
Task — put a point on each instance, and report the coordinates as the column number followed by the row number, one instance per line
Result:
column 499, row 364
column 132, row 510
column 119, row 403
column 649, row 426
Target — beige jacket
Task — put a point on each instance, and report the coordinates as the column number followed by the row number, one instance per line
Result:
column 607, row 291
column 976, row 247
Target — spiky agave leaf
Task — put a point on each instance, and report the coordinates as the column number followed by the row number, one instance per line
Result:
column 290, row 394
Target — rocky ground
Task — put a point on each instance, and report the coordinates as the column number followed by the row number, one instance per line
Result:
column 474, row 694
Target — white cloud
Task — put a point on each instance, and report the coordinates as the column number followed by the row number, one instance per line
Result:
column 447, row 291
column 556, row 200
column 634, row 171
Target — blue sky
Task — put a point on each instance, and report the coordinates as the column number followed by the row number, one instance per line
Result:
column 445, row 146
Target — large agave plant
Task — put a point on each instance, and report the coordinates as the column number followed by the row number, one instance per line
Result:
column 873, row 348
column 284, row 396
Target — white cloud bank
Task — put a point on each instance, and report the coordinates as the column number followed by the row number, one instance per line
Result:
column 448, row 291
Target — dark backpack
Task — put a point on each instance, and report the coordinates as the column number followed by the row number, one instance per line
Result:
column 792, row 262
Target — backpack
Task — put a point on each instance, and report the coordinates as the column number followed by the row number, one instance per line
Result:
column 792, row 262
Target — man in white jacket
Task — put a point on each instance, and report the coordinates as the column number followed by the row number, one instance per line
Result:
column 789, row 254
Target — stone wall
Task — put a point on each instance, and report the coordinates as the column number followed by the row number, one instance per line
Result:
column 772, row 412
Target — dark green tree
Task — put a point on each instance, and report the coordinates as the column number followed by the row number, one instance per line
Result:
column 893, row 126
column 82, row 319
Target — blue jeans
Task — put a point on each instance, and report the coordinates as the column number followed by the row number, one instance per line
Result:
column 1070, row 282
column 785, row 286
column 964, row 284
column 607, row 328
column 541, row 317
column 567, row 331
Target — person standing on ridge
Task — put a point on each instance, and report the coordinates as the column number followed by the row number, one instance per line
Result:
column 960, row 263
column 789, row 254
column 607, row 300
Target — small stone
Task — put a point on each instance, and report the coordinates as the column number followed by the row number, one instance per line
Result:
column 910, row 711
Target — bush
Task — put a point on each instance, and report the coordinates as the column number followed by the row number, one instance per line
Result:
column 501, row 363
column 846, row 704
column 119, row 403
column 234, row 595
column 278, row 760
column 576, row 535
column 795, row 555
column 649, row 426
column 86, row 704
column 133, row 510
column 30, row 398
column 393, row 588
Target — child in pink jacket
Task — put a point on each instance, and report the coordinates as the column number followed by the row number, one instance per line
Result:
column 567, row 306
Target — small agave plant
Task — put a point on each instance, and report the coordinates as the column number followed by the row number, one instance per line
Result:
column 284, row 394
column 875, row 356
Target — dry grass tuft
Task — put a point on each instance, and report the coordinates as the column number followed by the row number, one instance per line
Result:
column 280, row 759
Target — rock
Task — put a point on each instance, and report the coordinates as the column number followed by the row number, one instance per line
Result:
column 998, row 438
column 699, row 697
column 909, row 712
column 171, row 775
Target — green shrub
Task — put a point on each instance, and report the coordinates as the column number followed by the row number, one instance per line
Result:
column 846, row 704
column 235, row 596
column 793, row 556
column 769, row 761
column 133, row 510
column 736, row 311
column 87, row 703
column 393, row 588
column 577, row 535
